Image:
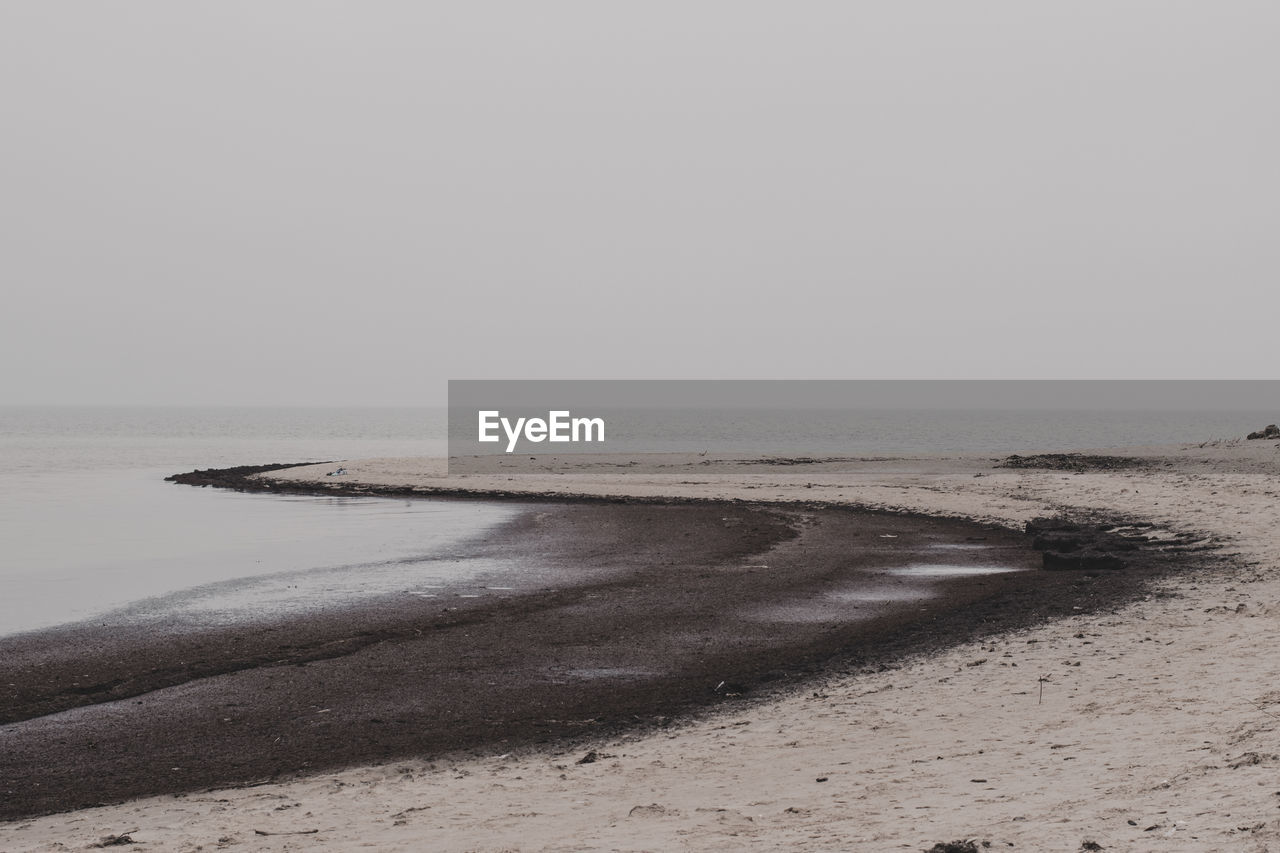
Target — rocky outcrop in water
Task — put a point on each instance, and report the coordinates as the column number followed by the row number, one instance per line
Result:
column 1271, row 431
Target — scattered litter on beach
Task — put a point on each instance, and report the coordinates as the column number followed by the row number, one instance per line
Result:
column 116, row 840
column 964, row 846
column 652, row 810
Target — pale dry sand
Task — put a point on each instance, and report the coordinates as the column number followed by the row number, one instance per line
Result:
column 1159, row 727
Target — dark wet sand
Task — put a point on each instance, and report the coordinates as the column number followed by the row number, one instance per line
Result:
column 643, row 613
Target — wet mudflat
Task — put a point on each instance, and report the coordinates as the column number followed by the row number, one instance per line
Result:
column 617, row 615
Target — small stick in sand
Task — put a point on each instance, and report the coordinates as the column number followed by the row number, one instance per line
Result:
column 1263, row 709
column 1043, row 679
column 298, row 832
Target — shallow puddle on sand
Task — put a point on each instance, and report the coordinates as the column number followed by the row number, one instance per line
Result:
column 947, row 570
column 842, row 605
column 594, row 672
column 879, row 595
column 869, row 600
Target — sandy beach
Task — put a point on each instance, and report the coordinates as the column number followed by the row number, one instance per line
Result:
column 1150, row 725
column 619, row 427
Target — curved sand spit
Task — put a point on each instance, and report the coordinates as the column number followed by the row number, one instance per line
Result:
column 1159, row 727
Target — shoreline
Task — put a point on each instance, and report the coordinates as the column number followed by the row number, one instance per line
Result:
column 150, row 688
column 873, row 484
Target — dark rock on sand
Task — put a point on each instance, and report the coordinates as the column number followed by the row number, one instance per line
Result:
column 1061, row 541
column 1066, row 544
column 1083, row 559
column 1272, row 431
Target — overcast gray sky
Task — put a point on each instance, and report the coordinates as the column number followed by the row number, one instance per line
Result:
column 318, row 202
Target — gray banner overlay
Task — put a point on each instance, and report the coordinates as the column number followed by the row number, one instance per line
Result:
column 520, row 426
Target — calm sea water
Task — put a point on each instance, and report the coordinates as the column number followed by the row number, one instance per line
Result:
column 90, row 530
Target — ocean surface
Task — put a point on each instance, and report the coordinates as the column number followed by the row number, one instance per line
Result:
column 91, row 531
